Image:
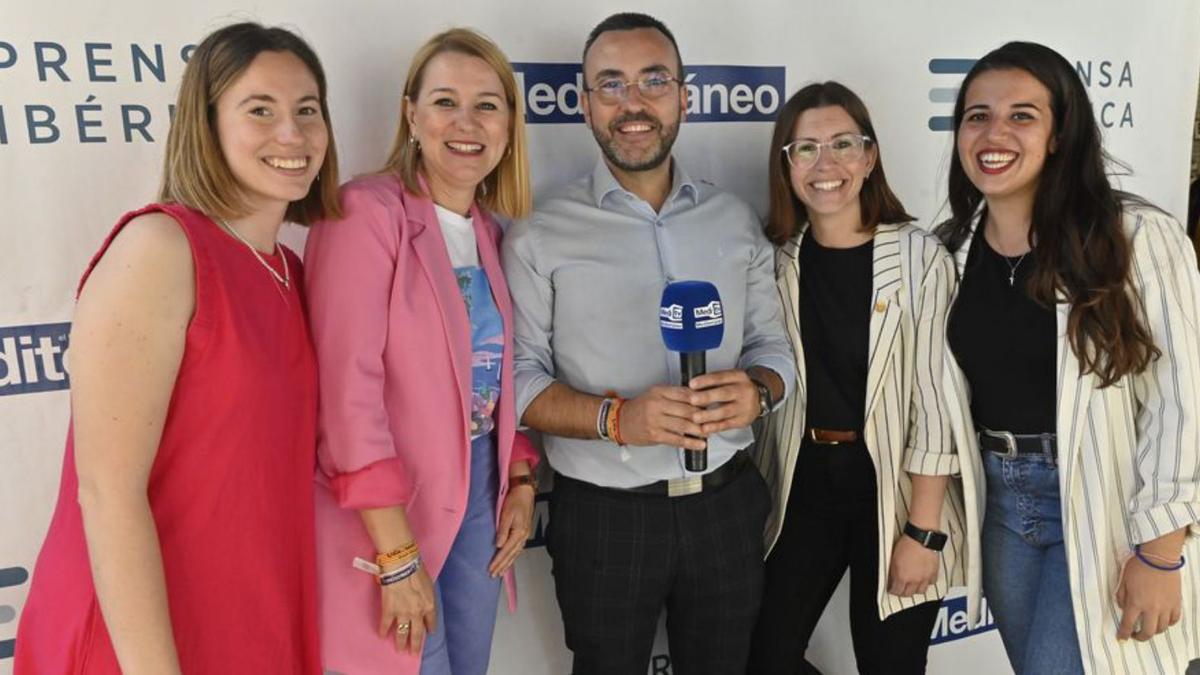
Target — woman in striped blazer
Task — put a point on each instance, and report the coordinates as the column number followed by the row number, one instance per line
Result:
column 860, row 459
column 1075, row 326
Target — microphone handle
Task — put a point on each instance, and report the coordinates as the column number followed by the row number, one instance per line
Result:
column 692, row 364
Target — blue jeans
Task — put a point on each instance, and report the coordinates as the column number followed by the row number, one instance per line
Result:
column 1025, row 566
column 466, row 595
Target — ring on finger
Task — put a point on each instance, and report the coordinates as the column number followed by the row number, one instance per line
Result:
column 403, row 628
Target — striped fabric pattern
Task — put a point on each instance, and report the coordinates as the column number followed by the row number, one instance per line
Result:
column 1128, row 455
column 907, row 426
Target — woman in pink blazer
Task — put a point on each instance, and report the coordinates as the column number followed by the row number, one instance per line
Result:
column 423, row 477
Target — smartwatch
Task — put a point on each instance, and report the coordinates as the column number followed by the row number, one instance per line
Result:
column 930, row 539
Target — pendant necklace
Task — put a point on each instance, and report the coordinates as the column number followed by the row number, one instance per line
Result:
column 1012, row 268
column 286, row 278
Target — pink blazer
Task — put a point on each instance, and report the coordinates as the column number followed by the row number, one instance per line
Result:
column 393, row 344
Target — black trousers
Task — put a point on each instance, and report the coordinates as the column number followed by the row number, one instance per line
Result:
column 832, row 525
column 619, row 558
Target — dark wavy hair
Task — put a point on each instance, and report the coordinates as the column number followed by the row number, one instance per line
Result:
column 877, row 201
column 1078, row 239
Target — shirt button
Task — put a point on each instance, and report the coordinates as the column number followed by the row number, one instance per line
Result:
column 658, row 223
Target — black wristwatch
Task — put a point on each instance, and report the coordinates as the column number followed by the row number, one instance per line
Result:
column 930, row 539
column 764, row 397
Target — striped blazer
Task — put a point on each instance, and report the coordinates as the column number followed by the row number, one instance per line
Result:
column 1128, row 455
column 906, row 425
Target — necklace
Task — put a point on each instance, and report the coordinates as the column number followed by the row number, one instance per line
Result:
column 1012, row 268
column 286, row 279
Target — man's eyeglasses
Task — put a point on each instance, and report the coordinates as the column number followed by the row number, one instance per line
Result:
column 650, row 87
column 843, row 148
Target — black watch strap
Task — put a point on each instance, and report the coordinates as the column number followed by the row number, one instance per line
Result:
column 930, row 539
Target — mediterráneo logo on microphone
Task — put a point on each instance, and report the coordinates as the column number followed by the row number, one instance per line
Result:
column 709, row 315
column 671, row 317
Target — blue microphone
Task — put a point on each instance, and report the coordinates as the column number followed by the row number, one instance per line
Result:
column 692, row 321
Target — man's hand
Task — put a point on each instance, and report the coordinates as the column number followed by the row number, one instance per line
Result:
column 732, row 394
column 662, row 416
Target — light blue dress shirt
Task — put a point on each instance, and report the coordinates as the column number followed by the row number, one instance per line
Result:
column 586, row 272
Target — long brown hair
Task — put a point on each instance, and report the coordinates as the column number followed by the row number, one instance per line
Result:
column 195, row 172
column 1079, row 242
column 877, row 201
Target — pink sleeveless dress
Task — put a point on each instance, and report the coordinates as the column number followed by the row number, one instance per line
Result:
column 230, row 487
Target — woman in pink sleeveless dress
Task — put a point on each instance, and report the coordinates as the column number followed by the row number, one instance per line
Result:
column 182, row 541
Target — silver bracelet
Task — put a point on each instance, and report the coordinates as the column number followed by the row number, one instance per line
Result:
column 602, row 419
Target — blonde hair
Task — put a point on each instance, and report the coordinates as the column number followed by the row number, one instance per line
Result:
column 506, row 190
column 195, row 172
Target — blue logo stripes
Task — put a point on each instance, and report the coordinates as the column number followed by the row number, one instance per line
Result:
column 946, row 95
column 10, row 576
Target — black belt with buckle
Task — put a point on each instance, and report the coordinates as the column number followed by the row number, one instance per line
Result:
column 681, row 487
column 1010, row 445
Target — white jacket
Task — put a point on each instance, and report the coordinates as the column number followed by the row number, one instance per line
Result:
column 1128, row 455
column 907, row 424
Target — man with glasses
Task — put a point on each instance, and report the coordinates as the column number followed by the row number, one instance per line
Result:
column 632, row 531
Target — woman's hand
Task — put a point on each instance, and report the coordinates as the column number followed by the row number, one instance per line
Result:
column 516, row 520
column 410, row 606
column 1151, row 600
column 913, row 568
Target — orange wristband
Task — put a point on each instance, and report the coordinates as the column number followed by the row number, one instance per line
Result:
column 401, row 554
column 616, row 427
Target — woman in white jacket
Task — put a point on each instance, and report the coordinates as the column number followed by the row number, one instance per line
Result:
column 860, row 459
column 1075, row 327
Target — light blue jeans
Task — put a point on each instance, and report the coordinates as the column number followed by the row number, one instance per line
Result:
column 1025, row 567
column 466, row 596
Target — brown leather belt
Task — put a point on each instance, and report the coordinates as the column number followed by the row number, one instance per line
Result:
column 831, row 436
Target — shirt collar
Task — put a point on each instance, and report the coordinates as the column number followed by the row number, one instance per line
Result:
column 604, row 183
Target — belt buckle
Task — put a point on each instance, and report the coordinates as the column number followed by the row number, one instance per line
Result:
column 1010, row 440
column 812, row 433
column 682, row 487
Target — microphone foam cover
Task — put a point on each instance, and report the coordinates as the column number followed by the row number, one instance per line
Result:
column 691, row 316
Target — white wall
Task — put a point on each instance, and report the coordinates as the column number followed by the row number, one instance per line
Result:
column 60, row 198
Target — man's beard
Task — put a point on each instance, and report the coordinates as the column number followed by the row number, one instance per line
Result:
column 608, row 143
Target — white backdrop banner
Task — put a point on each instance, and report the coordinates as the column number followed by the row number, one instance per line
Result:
column 86, row 93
